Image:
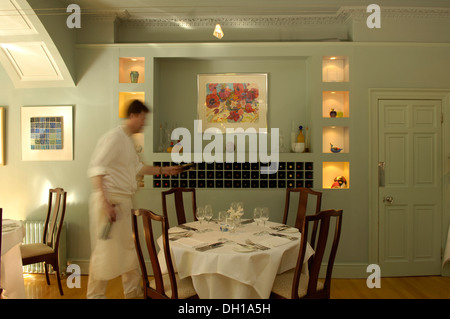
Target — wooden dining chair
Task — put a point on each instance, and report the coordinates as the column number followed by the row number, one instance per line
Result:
column 48, row 250
column 303, row 197
column 288, row 284
column 179, row 203
column 162, row 286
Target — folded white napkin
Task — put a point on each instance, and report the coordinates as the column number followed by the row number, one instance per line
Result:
column 273, row 241
column 190, row 242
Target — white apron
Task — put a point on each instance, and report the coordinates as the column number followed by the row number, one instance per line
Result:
column 115, row 256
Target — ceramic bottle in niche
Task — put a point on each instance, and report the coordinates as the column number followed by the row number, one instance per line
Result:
column 333, row 113
column 300, row 145
column 134, row 76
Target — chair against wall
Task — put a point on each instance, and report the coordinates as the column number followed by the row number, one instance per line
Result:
column 303, row 197
column 163, row 285
column 48, row 250
column 179, row 203
column 287, row 285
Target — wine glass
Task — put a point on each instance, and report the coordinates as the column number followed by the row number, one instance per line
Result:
column 208, row 212
column 257, row 215
column 264, row 215
column 200, row 214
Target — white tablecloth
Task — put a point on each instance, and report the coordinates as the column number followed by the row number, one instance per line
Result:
column 13, row 232
column 228, row 272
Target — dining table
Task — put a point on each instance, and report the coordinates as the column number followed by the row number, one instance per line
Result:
column 13, row 232
column 238, row 264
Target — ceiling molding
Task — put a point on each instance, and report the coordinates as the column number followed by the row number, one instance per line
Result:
column 341, row 16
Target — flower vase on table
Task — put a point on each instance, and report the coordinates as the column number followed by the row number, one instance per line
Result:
column 235, row 212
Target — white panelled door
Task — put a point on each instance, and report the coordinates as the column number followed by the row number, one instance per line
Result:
column 410, row 202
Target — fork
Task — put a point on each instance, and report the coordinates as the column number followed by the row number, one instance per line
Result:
column 261, row 247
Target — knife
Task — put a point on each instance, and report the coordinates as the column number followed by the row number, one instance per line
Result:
column 187, row 227
column 284, row 236
column 248, row 221
column 210, row 246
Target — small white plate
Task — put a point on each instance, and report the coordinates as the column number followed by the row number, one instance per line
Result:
column 243, row 249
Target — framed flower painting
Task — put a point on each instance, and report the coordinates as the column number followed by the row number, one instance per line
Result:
column 235, row 100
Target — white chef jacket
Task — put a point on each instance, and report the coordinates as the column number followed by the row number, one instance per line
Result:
column 115, row 157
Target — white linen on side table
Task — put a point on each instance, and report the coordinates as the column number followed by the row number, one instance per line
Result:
column 446, row 258
column 225, row 273
column 12, row 274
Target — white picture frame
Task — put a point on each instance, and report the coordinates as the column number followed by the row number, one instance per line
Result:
column 47, row 133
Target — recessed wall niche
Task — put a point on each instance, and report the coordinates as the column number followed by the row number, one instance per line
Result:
column 175, row 91
column 338, row 136
column 333, row 170
column 125, row 99
column 337, row 101
column 132, row 70
column 335, row 69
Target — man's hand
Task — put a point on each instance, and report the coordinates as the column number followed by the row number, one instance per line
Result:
column 111, row 212
column 172, row 170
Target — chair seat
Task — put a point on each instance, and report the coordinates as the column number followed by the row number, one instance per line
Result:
column 184, row 286
column 283, row 284
column 33, row 250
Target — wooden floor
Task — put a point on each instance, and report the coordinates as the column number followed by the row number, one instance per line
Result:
column 432, row 287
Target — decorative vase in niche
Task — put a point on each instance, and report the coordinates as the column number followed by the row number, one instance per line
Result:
column 333, row 113
column 134, row 76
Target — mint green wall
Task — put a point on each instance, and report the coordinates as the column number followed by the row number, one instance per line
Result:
column 23, row 187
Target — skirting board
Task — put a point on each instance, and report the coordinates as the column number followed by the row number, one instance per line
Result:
column 355, row 270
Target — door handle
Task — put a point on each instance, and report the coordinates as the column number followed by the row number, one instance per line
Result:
column 388, row 199
column 381, row 166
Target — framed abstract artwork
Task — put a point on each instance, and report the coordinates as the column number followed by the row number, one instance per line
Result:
column 234, row 100
column 2, row 136
column 47, row 133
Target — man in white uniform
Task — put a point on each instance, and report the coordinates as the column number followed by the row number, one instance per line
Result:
column 114, row 168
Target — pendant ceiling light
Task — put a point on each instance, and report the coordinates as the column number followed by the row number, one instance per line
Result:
column 218, row 33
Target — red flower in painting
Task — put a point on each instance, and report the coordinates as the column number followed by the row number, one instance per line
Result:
column 212, row 87
column 238, row 89
column 212, row 101
column 224, row 93
column 234, row 116
column 252, row 94
column 249, row 108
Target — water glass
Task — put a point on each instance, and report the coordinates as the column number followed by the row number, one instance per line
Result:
column 264, row 214
column 223, row 220
column 200, row 214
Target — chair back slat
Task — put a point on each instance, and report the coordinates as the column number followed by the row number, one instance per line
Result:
column 303, row 198
column 321, row 227
column 55, row 217
column 148, row 218
column 179, row 203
